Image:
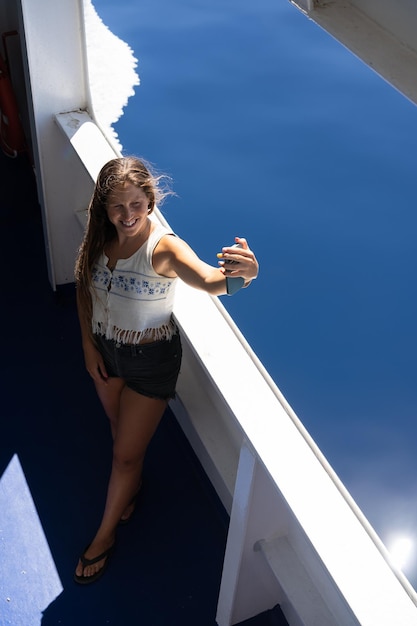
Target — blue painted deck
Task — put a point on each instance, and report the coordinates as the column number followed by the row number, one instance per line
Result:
column 55, row 452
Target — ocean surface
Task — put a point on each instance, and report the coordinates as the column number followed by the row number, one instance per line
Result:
column 272, row 130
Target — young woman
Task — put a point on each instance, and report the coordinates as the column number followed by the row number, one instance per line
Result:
column 125, row 274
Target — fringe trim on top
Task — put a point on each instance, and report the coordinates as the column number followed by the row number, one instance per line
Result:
column 133, row 337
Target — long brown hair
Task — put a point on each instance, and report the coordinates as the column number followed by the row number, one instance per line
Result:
column 100, row 230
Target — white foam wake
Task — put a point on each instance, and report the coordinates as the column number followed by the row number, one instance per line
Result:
column 111, row 68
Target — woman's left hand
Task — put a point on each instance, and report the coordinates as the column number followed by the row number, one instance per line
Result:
column 239, row 260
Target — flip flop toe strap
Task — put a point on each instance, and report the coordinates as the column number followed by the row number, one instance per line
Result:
column 86, row 562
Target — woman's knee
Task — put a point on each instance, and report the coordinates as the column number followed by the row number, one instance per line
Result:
column 127, row 460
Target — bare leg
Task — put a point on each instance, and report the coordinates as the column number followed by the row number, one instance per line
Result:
column 109, row 395
column 134, row 426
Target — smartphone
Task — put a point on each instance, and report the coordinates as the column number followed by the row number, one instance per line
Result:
column 234, row 283
column 235, row 245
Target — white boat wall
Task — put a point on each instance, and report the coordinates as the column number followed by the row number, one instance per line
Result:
column 382, row 33
column 296, row 537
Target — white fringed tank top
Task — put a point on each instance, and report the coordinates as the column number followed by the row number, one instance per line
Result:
column 133, row 303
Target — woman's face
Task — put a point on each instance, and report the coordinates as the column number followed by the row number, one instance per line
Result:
column 127, row 210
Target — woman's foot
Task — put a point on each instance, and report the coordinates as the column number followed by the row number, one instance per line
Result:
column 93, row 562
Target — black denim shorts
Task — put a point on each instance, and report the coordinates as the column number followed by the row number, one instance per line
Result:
column 150, row 369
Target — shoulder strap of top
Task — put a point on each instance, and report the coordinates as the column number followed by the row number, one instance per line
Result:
column 154, row 238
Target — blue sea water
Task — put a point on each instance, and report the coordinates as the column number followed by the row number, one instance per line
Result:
column 272, row 130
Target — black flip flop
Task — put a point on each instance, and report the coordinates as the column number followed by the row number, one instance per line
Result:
column 87, row 580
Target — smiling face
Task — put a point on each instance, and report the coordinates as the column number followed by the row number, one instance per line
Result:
column 127, row 210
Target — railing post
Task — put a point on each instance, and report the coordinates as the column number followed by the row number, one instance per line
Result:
column 236, row 537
